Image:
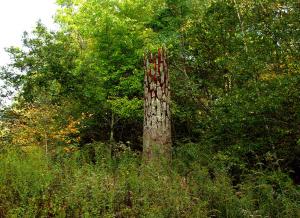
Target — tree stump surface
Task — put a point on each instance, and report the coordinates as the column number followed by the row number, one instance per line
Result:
column 157, row 117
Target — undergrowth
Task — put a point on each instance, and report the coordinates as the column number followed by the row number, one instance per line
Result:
column 78, row 184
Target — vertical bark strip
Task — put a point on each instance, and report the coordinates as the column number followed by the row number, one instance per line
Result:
column 157, row 117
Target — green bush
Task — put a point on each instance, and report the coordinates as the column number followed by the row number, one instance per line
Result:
column 24, row 182
column 33, row 185
column 260, row 119
column 271, row 193
column 263, row 192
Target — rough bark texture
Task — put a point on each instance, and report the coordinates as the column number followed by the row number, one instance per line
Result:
column 157, row 118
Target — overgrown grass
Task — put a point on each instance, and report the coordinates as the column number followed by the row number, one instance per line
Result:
column 89, row 183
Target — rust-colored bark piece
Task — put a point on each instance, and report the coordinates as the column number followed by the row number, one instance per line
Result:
column 157, row 117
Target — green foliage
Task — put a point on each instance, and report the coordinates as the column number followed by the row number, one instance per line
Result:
column 35, row 185
column 258, row 121
column 271, row 193
column 234, row 69
column 262, row 192
column 24, row 182
column 126, row 108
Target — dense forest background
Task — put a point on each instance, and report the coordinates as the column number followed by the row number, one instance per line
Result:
column 71, row 142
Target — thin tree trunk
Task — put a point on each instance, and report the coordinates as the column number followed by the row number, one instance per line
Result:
column 157, row 117
column 112, row 125
column 241, row 25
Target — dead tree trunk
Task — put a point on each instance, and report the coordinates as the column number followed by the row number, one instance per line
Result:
column 157, row 117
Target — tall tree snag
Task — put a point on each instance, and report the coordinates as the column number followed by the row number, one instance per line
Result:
column 157, row 117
